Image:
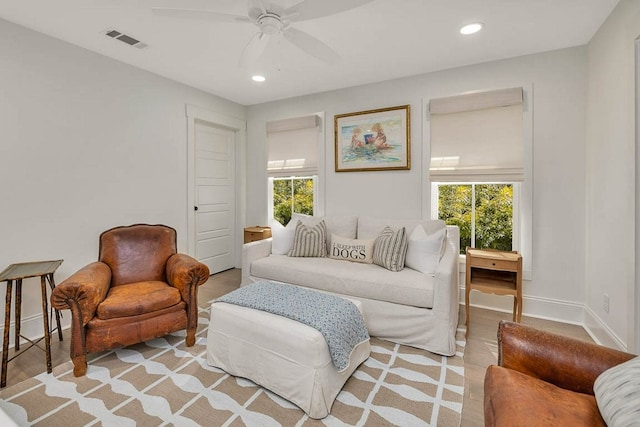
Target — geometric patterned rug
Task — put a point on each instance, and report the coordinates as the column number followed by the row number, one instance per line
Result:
column 163, row 382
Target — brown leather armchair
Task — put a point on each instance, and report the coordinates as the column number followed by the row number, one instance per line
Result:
column 139, row 289
column 544, row 379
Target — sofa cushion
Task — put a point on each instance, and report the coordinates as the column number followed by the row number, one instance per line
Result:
column 309, row 241
column 390, row 249
column 424, row 250
column 407, row 287
column 341, row 225
column 617, row 392
column 370, row 227
column 356, row 250
column 516, row 399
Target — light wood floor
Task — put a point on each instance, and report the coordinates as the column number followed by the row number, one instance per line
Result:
column 480, row 350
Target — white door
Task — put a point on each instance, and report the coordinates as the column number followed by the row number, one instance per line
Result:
column 214, row 199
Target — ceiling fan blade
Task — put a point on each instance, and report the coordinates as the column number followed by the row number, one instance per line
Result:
column 258, row 6
column 199, row 14
column 312, row 9
column 311, row 45
column 254, row 49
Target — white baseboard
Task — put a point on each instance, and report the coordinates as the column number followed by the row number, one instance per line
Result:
column 600, row 332
column 31, row 327
column 550, row 309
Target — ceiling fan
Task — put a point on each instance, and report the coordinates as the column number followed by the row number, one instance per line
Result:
column 274, row 20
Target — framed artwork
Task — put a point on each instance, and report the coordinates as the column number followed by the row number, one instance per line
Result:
column 373, row 140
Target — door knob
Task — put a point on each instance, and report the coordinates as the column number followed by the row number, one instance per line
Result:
column 195, row 208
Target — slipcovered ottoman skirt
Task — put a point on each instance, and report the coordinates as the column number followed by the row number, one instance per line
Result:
column 287, row 357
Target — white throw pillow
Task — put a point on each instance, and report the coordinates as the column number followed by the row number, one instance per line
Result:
column 617, row 392
column 282, row 237
column 424, row 250
column 304, row 218
column 351, row 249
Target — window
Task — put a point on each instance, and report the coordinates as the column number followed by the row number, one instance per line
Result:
column 480, row 168
column 292, row 166
column 484, row 213
column 291, row 194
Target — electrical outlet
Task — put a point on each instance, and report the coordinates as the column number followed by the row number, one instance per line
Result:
column 605, row 303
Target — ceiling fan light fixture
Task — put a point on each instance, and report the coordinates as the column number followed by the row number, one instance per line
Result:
column 258, row 78
column 471, row 28
column 270, row 23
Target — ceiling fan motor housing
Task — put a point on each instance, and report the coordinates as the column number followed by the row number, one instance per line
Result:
column 269, row 23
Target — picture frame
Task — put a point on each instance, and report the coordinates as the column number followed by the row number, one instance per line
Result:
column 373, row 140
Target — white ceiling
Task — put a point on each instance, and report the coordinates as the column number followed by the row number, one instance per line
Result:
column 378, row 41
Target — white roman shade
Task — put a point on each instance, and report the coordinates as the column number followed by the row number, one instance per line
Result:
column 293, row 146
column 477, row 137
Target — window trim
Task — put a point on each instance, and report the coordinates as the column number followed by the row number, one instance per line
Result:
column 525, row 193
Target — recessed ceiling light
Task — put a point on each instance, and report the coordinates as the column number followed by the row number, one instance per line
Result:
column 471, row 28
column 258, row 78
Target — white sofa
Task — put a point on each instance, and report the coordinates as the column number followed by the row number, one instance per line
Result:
column 407, row 307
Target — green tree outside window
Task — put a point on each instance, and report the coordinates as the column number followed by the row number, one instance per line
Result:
column 292, row 195
column 483, row 212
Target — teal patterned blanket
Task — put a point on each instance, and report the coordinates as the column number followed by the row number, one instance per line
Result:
column 337, row 319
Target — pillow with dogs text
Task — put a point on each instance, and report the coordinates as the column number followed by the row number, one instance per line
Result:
column 351, row 249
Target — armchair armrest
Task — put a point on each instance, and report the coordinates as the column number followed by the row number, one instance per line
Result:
column 81, row 294
column 565, row 362
column 184, row 271
column 251, row 252
column 83, row 291
column 186, row 274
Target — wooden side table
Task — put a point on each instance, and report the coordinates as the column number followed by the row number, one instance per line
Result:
column 17, row 272
column 495, row 272
column 253, row 234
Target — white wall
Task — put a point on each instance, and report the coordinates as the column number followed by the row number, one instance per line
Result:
column 559, row 82
column 611, row 192
column 86, row 143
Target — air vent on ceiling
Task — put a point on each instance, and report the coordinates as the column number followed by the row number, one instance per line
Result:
column 124, row 38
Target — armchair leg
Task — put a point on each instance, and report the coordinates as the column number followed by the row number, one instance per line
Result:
column 192, row 313
column 79, row 365
column 191, row 337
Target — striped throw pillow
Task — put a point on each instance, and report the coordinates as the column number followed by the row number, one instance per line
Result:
column 390, row 249
column 617, row 392
column 309, row 241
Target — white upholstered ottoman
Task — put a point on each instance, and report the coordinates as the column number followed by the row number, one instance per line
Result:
column 285, row 356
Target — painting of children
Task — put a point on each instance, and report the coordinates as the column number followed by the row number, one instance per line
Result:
column 355, row 138
column 380, row 140
column 373, row 140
